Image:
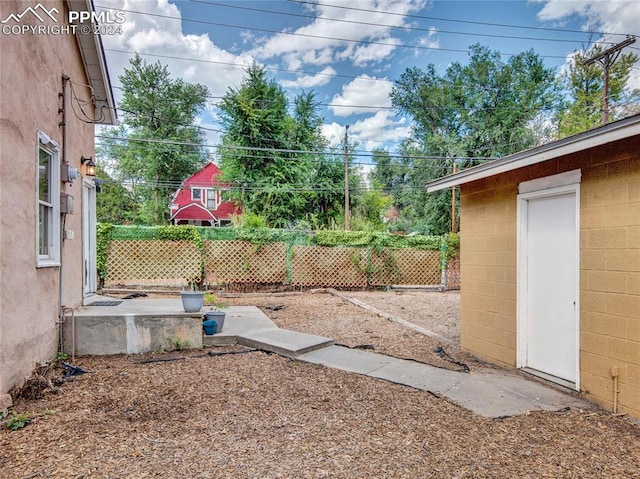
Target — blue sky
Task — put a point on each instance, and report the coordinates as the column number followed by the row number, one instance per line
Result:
column 351, row 52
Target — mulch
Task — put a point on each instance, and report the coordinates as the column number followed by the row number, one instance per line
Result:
column 250, row 414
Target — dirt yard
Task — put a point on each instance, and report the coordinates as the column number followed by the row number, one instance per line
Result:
column 207, row 414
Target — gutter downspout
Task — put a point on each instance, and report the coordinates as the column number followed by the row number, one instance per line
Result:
column 63, row 126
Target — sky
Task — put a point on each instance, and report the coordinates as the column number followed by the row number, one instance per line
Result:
column 350, row 52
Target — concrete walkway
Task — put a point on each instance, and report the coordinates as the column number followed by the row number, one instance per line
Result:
column 488, row 392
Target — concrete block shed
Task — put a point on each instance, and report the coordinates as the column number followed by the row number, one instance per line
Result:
column 550, row 262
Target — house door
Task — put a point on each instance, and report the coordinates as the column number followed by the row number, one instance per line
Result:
column 548, row 277
column 89, row 273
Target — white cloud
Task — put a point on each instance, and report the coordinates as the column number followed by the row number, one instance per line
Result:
column 613, row 16
column 148, row 34
column 329, row 36
column 362, row 55
column 310, row 81
column 558, row 9
column 363, row 91
column 333, row 132
column 381, row 127
column 429, row 40
column 376, row 131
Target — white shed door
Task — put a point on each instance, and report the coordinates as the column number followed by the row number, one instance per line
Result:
column 548, row 320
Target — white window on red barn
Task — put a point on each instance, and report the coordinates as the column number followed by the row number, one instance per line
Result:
column 212, row 201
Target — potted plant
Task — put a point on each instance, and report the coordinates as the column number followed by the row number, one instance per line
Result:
column 215, row 312
column 193, row 297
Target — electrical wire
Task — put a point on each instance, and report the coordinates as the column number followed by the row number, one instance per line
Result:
column 283, row 150
column 398, row 27
column 471, row 22
column 84, row 117
column 270, row 188
column 366, row 42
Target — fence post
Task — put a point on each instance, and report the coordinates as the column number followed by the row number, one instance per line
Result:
column 443, row 266
column 288, row 262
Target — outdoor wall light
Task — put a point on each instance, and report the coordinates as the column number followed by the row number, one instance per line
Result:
column 89, row 166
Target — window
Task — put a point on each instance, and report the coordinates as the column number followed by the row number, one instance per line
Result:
column 211, row 200
column 48, row 201
column 196, row 194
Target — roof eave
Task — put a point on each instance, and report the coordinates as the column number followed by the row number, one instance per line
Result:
column 598, row 136
column 189, row 206
column 95, row 65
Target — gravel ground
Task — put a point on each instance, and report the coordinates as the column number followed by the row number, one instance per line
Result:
column 206, row 414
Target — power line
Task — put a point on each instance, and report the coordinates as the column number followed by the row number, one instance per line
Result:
column 320, row 37
column 283, row 150
column 240, row 65
column 471, row 22
column 282, row 189
column 429, row 108
column 397, row 27
column 305, row 35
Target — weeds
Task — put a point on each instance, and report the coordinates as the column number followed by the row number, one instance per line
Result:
column 18, row 420
column 178, row 344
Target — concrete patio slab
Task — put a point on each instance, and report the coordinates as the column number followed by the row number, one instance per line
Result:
column 501, row 393
column 284, row 342
column 419, row 376
column 239, row 320
column 351, row 360
column 490, row 393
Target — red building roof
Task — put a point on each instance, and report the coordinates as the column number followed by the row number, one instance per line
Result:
column 198, row 199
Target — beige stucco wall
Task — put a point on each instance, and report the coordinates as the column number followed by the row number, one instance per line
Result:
column 31, row 70
column 609, row 266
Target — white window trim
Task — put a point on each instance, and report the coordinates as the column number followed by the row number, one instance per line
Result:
column 211, row 194
column 53, row 258
column 549, row 186
column 554, row 181
column 193, row 198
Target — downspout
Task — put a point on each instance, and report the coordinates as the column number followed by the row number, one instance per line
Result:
column 63, row 126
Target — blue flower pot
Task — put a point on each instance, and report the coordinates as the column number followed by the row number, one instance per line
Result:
column 210, row 326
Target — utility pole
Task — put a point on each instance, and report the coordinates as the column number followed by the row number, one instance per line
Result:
column 607, row 58
column 347, row 212
column 454, row 226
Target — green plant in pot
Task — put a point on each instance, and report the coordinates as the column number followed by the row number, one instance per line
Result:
column 215, row 312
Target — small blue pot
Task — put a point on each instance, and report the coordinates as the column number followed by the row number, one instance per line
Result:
column 210, row 326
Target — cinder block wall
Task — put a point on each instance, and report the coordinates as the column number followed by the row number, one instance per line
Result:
column 610, row 276
column 610, row 268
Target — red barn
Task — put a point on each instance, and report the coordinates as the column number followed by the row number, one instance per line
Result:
column 198, row 201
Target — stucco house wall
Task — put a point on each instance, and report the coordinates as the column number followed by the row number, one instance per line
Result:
column 609, row 267
column 31, row 81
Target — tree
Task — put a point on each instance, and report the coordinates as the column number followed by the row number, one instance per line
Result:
column 484, row 109
column 272, row 156
column 114, row 203
column 159, row 122
column 584, row 85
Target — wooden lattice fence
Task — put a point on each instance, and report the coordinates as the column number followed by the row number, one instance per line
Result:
column 231, row 262
column 152, row 262
column 328, row 266
column 174, row 262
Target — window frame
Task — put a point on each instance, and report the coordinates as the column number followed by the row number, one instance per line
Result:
column 193, row 196
column 52, row 258
column 212, row 197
